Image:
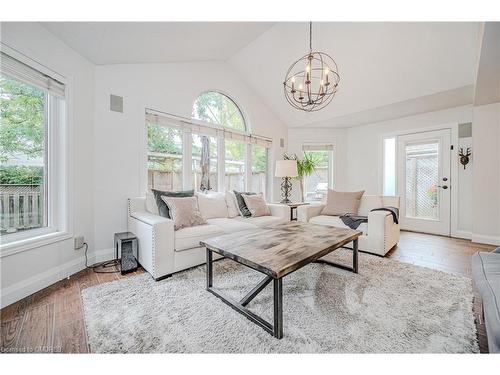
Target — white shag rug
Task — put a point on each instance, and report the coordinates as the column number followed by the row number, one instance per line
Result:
column 389, row 307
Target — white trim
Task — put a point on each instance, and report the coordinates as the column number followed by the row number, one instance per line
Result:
column 26, row 287
column 32, row 63
column 481, row 238
column 18, row 246
column 464, row 234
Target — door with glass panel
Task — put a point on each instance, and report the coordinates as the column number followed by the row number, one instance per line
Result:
column 424, row 181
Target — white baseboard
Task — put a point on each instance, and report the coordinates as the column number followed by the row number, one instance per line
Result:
column 490, row 240
column 24, row 288
column 465, row 234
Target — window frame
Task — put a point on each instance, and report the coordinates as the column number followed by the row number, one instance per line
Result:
column 229, row 97
column 57, row 160
column 330, row 148
column 206, row 128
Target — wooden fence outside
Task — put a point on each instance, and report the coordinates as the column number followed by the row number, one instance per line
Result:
column 21, row 207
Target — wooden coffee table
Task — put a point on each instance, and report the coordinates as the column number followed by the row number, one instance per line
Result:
column 276, row 252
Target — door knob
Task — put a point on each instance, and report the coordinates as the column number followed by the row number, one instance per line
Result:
column 445, row 178
column 443, row 187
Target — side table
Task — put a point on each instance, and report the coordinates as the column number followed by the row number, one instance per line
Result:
column 293, row 207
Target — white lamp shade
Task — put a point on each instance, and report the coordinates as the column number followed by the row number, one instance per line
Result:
column 286, row 168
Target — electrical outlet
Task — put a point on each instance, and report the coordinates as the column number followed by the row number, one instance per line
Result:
column 79, row 242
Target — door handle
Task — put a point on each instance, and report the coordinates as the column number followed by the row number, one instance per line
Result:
column 443, row 187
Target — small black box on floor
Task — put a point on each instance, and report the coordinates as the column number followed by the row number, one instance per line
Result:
column 127, row 251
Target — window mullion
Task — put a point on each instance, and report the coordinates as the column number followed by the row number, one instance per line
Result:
column 248, row 167
column 187, row 159
column 221, row 165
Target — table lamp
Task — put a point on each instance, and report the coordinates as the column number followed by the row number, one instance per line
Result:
column 286, row 169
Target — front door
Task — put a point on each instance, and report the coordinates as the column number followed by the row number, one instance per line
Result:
column 424, row 181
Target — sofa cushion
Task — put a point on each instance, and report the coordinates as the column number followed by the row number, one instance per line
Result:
column 163, row 209
column 486, row 272
column 335, row 221
column 188, row 238
column 151, row 206
column 262, row 221
column 368, row 203
column 340, row 202
column 231, row 225
column 232, row 207
column 212, row 205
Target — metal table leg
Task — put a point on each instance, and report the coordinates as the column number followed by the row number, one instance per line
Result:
column 275, row 329
column 354, row 267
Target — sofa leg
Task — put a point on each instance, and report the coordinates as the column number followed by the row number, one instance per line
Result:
column 163, row 277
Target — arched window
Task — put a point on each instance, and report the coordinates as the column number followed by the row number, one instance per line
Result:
column 217, row 108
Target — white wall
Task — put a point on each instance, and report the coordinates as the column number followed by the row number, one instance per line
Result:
column 486, row 175
column 120, row 146
column 24, row 273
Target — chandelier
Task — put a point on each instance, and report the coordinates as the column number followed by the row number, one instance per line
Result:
column 311, row 82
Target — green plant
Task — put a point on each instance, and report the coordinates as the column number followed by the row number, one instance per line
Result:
column 305, row 167
column 21, row 175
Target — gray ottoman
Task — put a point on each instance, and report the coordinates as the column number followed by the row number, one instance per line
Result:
column 486, row 273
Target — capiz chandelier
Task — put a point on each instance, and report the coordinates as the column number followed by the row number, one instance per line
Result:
column 311, row 82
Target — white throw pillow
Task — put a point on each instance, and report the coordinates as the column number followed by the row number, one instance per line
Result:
column 212, row 205
column 151, row 205
column 232, row 207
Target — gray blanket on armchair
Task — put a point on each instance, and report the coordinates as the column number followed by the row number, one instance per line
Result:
column 354, row 221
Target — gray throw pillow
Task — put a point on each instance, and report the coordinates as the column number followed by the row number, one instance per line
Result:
column 242, row 206
column 162, row 206
column 339, row 203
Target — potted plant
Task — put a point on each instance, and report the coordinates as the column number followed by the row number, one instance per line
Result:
column 305, row 167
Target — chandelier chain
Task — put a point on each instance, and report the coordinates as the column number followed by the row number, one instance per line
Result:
column 310, row 36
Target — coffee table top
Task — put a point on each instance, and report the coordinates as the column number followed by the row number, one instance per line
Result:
column 281, row 249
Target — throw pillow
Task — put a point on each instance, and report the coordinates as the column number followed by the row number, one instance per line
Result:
column 184, row 211
column 242, row 207
column 232, row 208
column 162, row 206
column 339, row 203
column 256, row 205
column 212, row 205
column 151, row 205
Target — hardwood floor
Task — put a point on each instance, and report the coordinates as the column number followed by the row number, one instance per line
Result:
column 51, row 320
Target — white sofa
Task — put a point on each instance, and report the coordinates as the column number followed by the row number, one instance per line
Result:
column 164, row 251
column 380, row 234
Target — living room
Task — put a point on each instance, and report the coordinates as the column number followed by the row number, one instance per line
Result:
column 154, row 172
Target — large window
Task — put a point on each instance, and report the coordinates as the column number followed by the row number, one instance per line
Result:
column 164, row 158
column 259, row 169
column 214, row 153
column 316, row 184
column 216, row 108
column 389, row 167
column 204, row 161
column 31, row 119
column 235, row 161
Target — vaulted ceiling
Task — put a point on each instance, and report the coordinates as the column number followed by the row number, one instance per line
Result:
column 387, row 69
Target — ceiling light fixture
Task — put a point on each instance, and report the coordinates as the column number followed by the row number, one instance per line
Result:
column 311, row 82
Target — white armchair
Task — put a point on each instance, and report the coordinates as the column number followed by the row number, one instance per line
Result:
column 380, row 234
column 164, row 251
